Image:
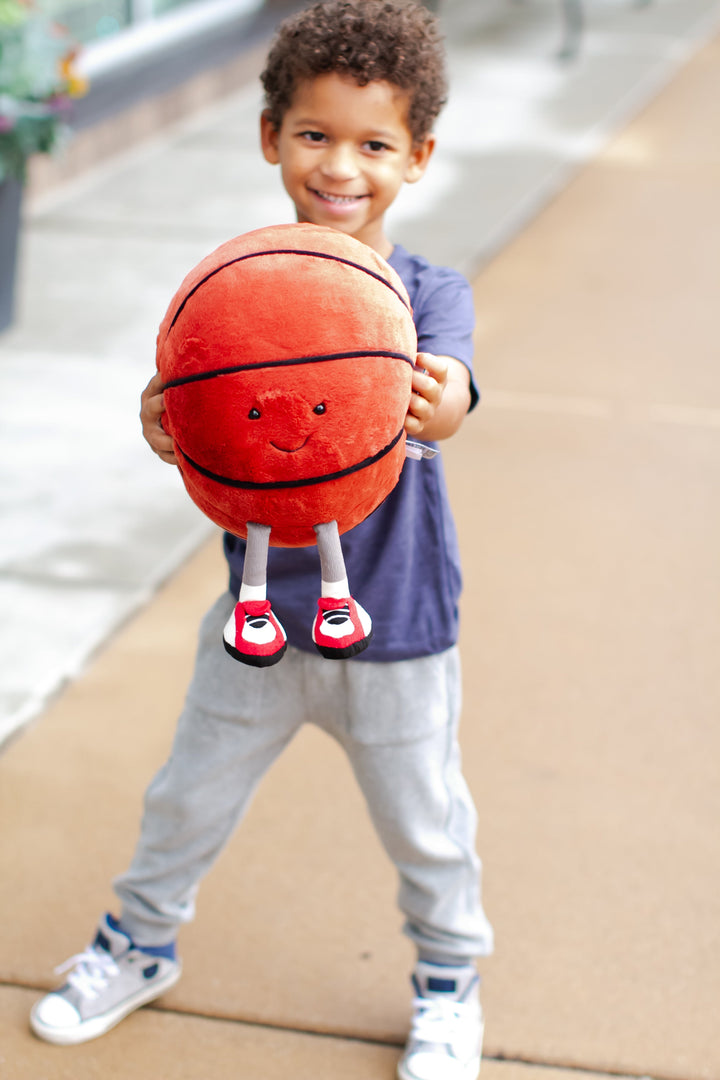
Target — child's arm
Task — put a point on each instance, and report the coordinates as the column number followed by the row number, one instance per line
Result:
column 152, row 406
column 440, row 398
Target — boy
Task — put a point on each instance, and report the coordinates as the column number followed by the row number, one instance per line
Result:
column 352, row 90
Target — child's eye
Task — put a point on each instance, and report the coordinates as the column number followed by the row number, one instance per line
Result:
column 376, row 146
column 320, row 409
column 254, row 414
column 313, row 136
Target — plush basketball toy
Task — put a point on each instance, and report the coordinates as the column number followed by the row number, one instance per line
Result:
column 287, row 359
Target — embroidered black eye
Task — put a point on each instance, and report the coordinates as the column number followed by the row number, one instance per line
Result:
column 320, row 409
column 254, row 414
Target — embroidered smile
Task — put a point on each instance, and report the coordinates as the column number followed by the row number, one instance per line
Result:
column 289, row 449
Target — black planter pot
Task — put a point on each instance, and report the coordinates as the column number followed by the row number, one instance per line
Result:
column 10, row 203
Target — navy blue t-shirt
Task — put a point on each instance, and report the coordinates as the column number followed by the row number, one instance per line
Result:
column 403, row 562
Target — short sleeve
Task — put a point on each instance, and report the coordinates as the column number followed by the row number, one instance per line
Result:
column 443, row 310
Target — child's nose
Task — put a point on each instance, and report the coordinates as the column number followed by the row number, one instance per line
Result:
column 340, row 163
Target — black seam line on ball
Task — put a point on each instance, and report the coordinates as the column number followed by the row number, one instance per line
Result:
column 286, row 251
column 359, row 354
column 277, row 485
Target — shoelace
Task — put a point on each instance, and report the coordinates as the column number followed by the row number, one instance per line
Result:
column 435, row 1020
column 91, row 972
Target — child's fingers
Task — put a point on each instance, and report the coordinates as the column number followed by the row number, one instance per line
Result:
column 160, row 441
column 152, row 407
column 434, row 366
column 429, row 379
column 420, row 410
column 151, row 412
column 413, row 425
column 429, row 384
column 168, row 456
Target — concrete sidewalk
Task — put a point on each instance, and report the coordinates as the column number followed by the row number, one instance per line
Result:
column 587, row 500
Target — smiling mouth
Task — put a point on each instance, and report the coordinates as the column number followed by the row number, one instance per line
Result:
column 338, row 200
column 289, row 449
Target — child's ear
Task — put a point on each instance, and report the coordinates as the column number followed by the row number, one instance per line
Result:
column 419, row 157
column 269, row 138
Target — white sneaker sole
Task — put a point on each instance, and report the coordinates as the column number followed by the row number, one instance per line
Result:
column 470, row 1072
column 86, row 1030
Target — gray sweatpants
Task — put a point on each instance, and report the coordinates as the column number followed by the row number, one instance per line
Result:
column 397, row 723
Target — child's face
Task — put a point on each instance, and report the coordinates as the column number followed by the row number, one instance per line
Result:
column 345, row 151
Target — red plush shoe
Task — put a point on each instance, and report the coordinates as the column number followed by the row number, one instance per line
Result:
column 253, row 635
column 341, row 628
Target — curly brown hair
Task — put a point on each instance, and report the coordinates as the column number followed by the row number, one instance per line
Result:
column 396, row 41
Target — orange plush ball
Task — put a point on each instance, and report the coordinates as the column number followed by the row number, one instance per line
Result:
column 287, row 359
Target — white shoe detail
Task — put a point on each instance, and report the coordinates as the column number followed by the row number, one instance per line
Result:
column 90, row 971
column 258, row 630
column 445, row 1040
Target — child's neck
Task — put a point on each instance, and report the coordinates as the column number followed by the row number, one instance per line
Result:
column 384, row 247
column 379, row 242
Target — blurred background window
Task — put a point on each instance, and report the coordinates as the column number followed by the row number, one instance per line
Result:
column 93, row 20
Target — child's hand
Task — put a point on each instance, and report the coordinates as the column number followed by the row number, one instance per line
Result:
column 152, row 407
column 440, row 397
column 429, row 379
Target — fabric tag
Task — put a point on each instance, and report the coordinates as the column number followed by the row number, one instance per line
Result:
column 417, row 451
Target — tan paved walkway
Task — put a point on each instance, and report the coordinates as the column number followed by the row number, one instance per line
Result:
column 587, row 497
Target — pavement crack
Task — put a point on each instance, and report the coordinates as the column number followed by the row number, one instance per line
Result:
column 572, row 1069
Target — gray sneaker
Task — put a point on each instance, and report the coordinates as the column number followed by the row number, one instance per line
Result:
column 110, row 979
